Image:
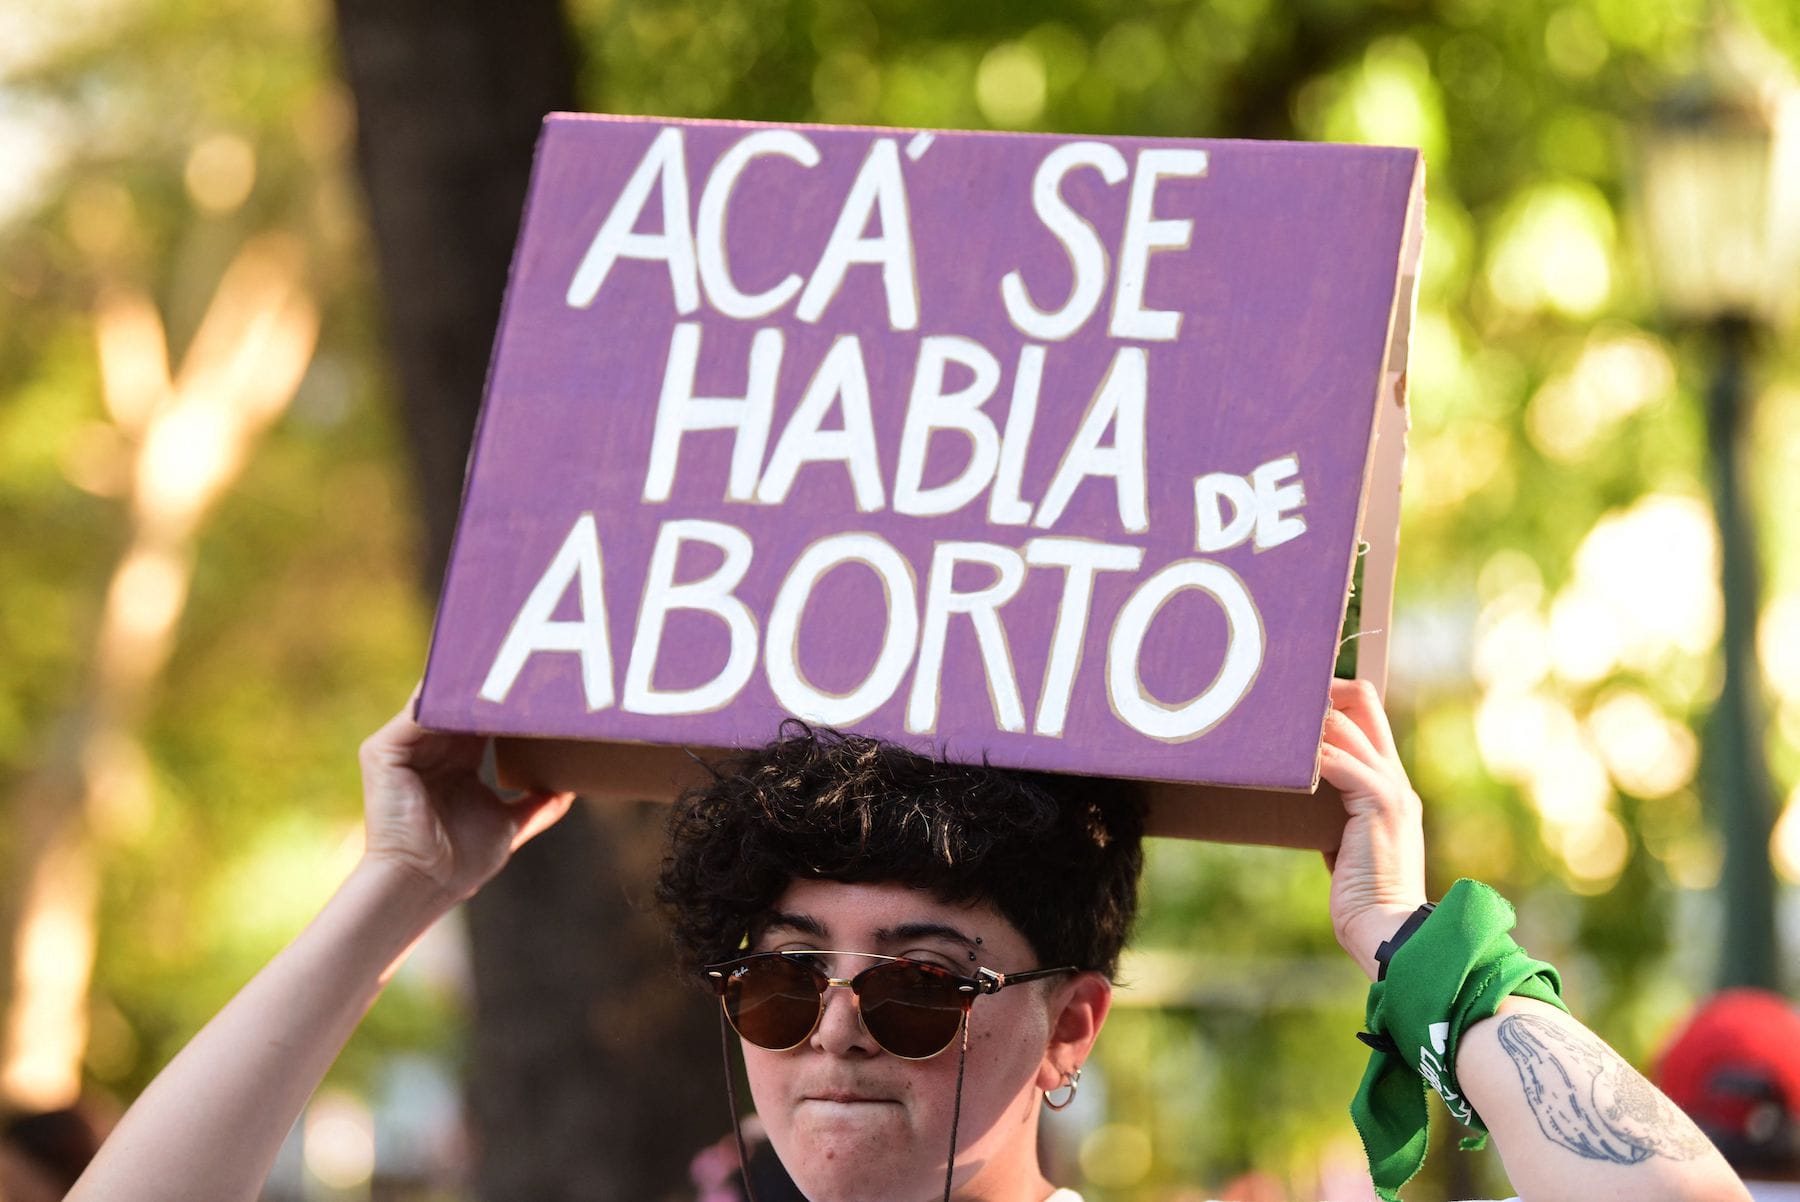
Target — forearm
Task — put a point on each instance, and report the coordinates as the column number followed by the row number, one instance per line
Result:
column 1572, row 1120
column 209, row 1126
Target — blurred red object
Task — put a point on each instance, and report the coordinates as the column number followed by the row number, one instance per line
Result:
column 1735, row 1069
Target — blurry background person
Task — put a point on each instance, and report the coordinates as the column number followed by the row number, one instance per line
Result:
column 1735, row 1069
column 716, row 1177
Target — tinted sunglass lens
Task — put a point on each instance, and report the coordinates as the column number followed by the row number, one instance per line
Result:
column 774, row 1002
column 911, row 1010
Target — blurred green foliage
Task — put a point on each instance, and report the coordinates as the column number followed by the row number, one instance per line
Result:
column 1547, row 405
column 304, row 627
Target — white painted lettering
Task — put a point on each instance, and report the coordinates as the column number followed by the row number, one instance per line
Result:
column 711, row 594
column 982, row 605
column 841, row 378
column 1275, row 496
column 715, row 267
column 1144, row 235
column 1087, row 256
column 664, row 169
column 678, row 411
column 1213, row 531
column 1005, row 506
column 929, row 409
column 1243, row 652
column 1081, row 560
column 1260, row 503
column 880, row 188
column 537, row 629
column 1119, row 403
column 899, row 632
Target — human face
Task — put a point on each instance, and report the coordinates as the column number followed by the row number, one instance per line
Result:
column 854, row 1124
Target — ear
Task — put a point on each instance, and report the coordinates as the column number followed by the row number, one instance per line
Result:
column 1077, row 1012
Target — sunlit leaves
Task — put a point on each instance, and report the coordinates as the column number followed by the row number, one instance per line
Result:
column 185, row 131
column 1388, row 98
column 1552, row 251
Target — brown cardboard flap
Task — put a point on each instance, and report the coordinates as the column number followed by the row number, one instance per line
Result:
column 638, row 771
column 1222, row 814
column 1380, row 529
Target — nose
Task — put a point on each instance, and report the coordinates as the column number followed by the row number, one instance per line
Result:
column 840, row 1031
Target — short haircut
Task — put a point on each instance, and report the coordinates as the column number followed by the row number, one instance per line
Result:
column 1057, row 856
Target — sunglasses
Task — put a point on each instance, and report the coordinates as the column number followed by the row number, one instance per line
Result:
column 911, row 1009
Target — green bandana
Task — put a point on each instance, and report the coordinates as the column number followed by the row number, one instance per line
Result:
column 1453, row 972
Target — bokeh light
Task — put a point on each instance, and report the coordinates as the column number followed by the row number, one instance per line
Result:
column 1553, row 250
column 340, row 1140
column 1010, row 85
column 1652, row 569
column 221, row 170
column 1389, row 98
column 1616, row 375
column 1778, row 646
column 1785, row 844
column 1116, row 1155
column 1647, row 753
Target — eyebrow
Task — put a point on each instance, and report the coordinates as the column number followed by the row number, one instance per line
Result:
column 908, row 931
column 905, row 932
column 805, row 924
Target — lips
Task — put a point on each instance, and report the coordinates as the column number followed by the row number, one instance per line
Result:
column 845, row 1096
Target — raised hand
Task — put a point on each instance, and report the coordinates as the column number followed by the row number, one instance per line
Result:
column 210, row 1125
column 426, row 809
column 1378, row 870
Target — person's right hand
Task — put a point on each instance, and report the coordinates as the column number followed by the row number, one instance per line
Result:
column 426, row 809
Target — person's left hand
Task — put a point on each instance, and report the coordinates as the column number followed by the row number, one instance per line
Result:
column 1378, row 870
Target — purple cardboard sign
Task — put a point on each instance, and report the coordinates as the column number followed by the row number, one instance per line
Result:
column 1049, row 450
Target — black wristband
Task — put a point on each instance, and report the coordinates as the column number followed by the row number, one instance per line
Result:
column 1413, row 922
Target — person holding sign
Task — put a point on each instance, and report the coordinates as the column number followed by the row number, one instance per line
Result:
column 916, row 957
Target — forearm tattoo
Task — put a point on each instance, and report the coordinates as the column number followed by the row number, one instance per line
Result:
column 1589, row 1100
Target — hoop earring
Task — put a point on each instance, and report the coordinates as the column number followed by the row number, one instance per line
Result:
column 1072, row 1082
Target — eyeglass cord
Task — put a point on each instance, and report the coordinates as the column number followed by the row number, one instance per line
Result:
column 737, row 1127
column 962, row 1060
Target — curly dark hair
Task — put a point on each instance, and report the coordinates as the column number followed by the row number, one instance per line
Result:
column 1057, row 856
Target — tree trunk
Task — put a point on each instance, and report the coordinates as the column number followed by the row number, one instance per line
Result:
column 595, row 1073
column 606, row 1078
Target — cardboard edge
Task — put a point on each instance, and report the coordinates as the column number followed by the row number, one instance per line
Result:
column 1233, row 814
column 581, row 116
column 1380, row 529
column 653, row 772
column 1378, row 504
column 607, row 771
column 507, row 297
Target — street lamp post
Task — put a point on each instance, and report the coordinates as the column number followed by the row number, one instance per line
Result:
column 1720, row 196
column 1736, row 768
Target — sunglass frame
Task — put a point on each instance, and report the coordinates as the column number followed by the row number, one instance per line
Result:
column 967, row 989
